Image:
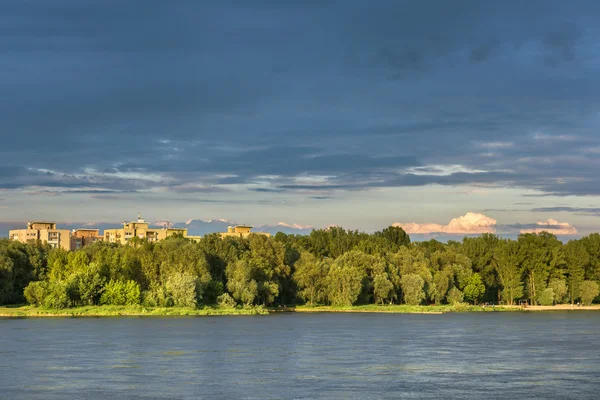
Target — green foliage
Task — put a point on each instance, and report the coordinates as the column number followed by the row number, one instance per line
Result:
column 334, row 265
column 35, row 293
column 509, row 274
column 57, row 295
column 226, row 301
column 240, row 282
column 412, row 287
column 345, row 278
column 90, row 284
column 559, row 288
column 576, row 257
column 588, row 292
column 119, row 293
column 310, row 276
column 474, row 289
column 383, row 288
column 455, row 296
column 547, row 297
column 182, row 289
column 157, row 296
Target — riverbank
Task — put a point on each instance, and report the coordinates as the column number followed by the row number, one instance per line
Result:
column 139, row 311
column 406, row 309
column 132, row 311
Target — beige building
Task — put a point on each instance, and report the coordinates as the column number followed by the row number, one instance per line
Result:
column 241, row 231
column 83, row 237
column 44, row 231
column 140, row 229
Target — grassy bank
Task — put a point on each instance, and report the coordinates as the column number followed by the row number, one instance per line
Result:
column 406, row 309
column 111, row 311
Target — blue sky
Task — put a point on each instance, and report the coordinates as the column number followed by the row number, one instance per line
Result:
column 355, row 113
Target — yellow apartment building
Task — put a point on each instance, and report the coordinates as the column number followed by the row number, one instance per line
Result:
column 44, row 231
column 140, row 229
column 241, row 231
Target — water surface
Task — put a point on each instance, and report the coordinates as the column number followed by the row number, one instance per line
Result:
column 304, row 356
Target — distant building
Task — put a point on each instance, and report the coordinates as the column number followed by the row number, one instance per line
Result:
column 241, row 231
column 83, row 237
column 44, row 231
column 140, row 229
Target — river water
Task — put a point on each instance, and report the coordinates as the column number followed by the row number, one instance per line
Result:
column 304, row 356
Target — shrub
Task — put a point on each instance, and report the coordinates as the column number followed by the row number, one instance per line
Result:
column 226, row 301
column 119, row 293
column 35, row 293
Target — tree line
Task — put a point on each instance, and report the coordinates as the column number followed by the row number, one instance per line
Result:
column 330, row 266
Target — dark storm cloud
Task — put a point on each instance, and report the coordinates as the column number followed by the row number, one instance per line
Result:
column 194, row 96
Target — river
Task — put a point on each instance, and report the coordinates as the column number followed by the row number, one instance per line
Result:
column 303, row 356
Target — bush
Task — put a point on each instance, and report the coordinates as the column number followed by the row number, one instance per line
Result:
column 226, row 301
column 182, row 288
column 119, row 293
column 455, row 296
column 35, row 293
column 547, row 297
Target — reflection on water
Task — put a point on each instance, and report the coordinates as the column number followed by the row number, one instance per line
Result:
column 300, row 356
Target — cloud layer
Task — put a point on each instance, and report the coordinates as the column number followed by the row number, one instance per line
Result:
column 217, row 101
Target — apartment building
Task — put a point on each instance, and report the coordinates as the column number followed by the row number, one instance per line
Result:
column 43, row 231
column 142, row 230
column 83, row 237
column 241, row 231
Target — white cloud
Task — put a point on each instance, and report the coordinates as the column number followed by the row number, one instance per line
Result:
column 470, row 223
column 554, row 227
column 295, row 226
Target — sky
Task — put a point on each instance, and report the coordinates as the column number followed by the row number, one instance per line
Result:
column 442, row 117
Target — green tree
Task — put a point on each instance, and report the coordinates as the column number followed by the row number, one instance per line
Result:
column 311, row 277
column 589, row 291
column 475, row 288
column 182, row 288
column 559, row 288
column 383, row 288
column 547, row 297
column 412, row 287
column 455, row 296
column 240, row 282
column 345, row 279
column 90, row 284
column 119, row 293
column 507, row 268
column 576, row 258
